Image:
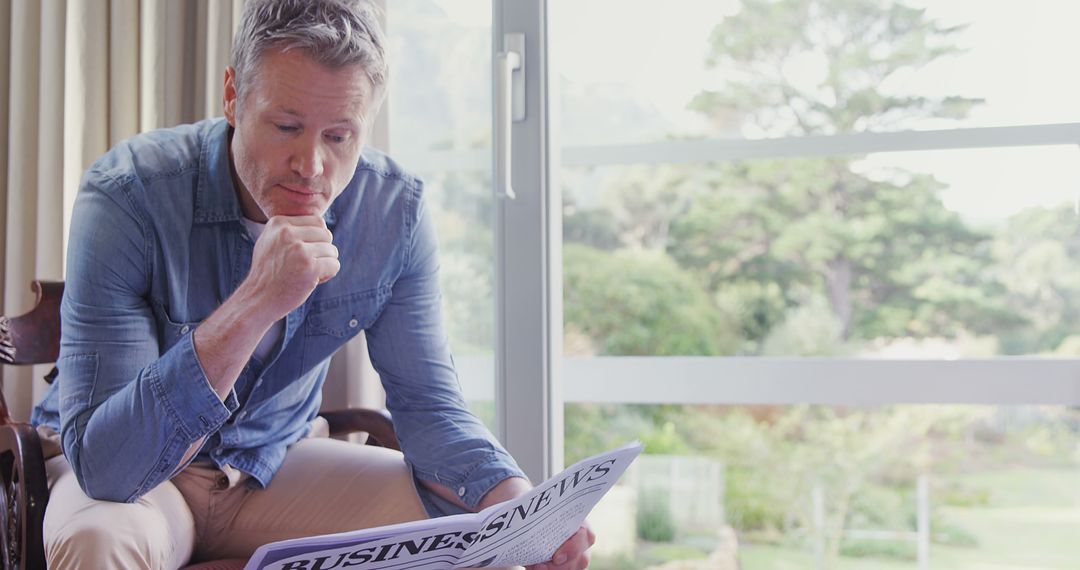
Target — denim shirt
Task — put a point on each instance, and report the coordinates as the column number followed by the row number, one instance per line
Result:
column 157, row 243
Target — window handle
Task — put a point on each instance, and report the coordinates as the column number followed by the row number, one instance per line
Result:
column 509, row 107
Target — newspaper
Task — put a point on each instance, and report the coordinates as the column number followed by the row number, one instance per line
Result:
column 523, row 531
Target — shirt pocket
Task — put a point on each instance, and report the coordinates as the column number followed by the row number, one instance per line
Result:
column 170, row 330
column 344, row 316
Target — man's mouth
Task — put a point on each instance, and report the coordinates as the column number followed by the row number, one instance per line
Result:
column 299, row 189
column 301, row 195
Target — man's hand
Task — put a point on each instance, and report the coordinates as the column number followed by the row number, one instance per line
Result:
column 572, row 555
column 292, row 256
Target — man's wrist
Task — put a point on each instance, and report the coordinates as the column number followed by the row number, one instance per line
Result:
column 247, row 303
column 238, row 322
column 227, row 338
column 509, row 488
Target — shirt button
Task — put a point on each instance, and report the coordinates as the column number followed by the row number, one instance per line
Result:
column 241, row 415
column 353, row 323
column 184, row 329
column 461, row 491
column 258, row 382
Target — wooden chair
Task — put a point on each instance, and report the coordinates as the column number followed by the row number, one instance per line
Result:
column 34, row 338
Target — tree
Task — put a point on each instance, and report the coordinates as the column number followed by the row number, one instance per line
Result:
column 856, row 47
column 1038, row 260
column 640, row 303
column 887, row 255
column 783, row 244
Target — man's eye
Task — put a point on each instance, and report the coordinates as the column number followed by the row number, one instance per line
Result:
column 286, row 128
column 336, row 138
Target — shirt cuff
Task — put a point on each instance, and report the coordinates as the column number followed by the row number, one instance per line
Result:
column 471, row 490
column 183, row 388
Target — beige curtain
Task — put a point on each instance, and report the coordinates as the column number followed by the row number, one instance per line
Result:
column 76, row 77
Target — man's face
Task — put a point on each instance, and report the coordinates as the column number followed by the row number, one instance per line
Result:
column 298, row 133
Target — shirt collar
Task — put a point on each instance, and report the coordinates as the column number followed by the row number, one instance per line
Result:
column 215, row 197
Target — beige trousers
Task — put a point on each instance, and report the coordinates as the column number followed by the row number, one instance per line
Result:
column 205, row 513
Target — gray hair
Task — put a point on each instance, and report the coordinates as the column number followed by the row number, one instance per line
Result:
column 335, row 33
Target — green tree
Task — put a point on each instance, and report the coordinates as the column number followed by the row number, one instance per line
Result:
column 631, row 302
column 1038, row 260
column 886, row 254
column 460, row 205
column 890, row 260
column 857, row 46
column 880, row 249
column 645, row 201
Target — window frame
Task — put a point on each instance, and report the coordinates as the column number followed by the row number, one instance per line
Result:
column 833, row 381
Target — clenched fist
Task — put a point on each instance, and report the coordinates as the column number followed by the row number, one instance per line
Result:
column 293, row 255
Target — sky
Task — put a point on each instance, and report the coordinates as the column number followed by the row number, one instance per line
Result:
column 1021, row 57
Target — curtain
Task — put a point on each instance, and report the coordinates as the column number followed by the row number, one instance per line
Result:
column 76, row 77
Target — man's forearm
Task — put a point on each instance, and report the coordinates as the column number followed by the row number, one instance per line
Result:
column 507, row 489
column 225, row 341
column 223, row 344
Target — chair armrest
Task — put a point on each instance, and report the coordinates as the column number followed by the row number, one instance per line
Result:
column 376, row 423
column 24, row 493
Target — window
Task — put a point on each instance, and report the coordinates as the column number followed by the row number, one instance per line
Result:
column 439, row 110
column 820, row 255
column 861, row 214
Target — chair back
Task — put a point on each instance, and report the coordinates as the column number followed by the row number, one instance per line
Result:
column 33, row 337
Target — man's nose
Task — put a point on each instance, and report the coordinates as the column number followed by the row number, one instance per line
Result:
column 307, row 160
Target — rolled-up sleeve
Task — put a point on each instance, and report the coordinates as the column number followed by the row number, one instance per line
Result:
column 128, row 412
column 442, row 440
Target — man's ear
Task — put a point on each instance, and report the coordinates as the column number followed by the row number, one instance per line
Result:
column 228, row 98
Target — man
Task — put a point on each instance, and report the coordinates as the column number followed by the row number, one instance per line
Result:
column 213, row 270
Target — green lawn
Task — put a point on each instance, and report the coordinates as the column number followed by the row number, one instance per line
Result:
column 1031, row 523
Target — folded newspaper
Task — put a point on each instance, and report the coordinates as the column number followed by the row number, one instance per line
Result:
column 519, row 532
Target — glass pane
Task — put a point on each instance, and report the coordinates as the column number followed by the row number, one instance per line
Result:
column 928, row 255
column 761, row 68
column 935, row 254
column 440, row 100
column 810, row 487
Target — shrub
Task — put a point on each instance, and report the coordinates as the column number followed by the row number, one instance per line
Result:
column 661, row 553
column 952, row 535
column 895, row 549
column 655, row 522
column 958, row 495
column 750, row 502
